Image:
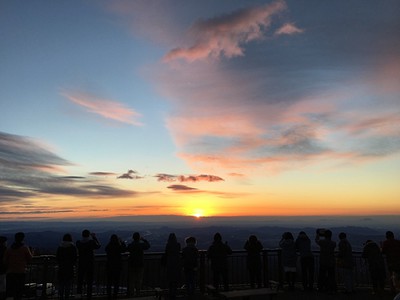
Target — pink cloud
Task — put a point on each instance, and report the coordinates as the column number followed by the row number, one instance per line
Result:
column 218, row 109
column 289, row 29
column 224, row 35
column 381, row 125
column 108, row 109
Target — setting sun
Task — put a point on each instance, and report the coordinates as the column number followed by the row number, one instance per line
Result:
column 198, row 213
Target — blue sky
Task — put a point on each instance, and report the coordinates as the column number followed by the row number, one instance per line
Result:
column 166, row 107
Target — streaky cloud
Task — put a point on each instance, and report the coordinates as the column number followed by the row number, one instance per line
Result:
column 30, row 171
column 180, row 187
column 24, row 153
column 106, row 108
column 102, row 173
column 73, row 177
column 29, row 212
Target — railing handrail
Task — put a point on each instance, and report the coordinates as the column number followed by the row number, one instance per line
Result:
column 271, row 263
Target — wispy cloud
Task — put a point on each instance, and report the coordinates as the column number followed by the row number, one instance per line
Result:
column 35, row 212
column 284, row 105
column 30, row 171
column 188, row 178
column 289, row 29
column 106, row 108
column 24, row 154
column 225, row 35
column 179, row 187
column 102, row 173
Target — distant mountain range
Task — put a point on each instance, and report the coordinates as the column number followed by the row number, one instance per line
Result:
column 45, row 235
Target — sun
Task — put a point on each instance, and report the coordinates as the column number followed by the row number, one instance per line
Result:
column 199, row 208
column 198, row 213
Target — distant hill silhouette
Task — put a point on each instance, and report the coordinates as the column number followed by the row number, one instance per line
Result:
column 45, row 236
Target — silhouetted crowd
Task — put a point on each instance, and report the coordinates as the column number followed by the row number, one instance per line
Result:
column 79, row 257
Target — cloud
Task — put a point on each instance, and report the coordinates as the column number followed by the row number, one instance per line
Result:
column 179, row 187
column 25, row 154
column 289, row 29
column 102, row 173
column 108, row 109
column 30, row 171
column 283, row 105
column 188, row 178
column 225, row 35
column 130, row 175
column 195, row 178
column 166, row 177
column 236, row 174
column 35, row 212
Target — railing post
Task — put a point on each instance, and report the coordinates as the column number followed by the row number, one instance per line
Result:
column 265, row 268
column 280, row 269
column 129, row 292
column 44, row 279
column 202, row 272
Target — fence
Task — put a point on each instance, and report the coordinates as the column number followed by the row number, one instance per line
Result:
column 42, row 273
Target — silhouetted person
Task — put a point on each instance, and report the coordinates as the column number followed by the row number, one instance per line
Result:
column 289, row 258
column 391, row 249
column 345, row 262
column 326, row 277
column 173, row 264
column 66, row 257
column 3, row 267
column 86, row 247
column 303, row 246
column 114, row 250
column 376, row 265
column 218, row 255
column 190, row 255
column 136, row 262
column 254, row 263
column 17, row 258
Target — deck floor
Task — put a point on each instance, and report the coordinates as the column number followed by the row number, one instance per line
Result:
column 360, row 294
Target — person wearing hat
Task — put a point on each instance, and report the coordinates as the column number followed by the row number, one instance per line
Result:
column 3, row 267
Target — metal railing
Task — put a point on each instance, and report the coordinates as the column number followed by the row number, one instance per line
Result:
column 41, row 280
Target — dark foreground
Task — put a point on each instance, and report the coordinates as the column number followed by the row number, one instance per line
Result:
column 360, row 294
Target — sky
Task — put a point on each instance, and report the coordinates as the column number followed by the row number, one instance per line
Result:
column 199, row 108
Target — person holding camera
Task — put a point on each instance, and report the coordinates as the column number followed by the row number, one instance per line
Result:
column 86, row 247
column 326, row 277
